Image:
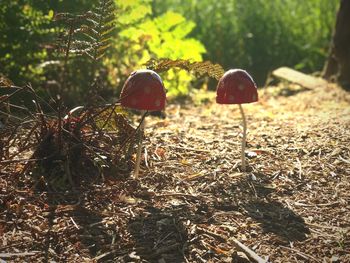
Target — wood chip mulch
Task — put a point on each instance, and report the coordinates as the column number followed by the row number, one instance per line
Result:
column 192, row 202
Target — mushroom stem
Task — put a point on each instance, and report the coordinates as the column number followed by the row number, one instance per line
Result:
column 139, row 147
column 244, row 137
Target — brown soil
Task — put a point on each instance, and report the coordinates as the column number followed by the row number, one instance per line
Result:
column 192, row 202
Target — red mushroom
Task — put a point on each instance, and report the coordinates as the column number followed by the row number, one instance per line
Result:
column 236, row 86
column 144, row 91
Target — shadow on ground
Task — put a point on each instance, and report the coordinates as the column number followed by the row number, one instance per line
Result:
column 275, row 218
column 86, row 231
column 160, row 235
column 252, row 197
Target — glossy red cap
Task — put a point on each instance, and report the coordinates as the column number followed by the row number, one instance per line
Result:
column 143, row 90
column 236, row 86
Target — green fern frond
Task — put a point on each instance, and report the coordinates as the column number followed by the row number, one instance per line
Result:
column 199, row 68
column 89, row 33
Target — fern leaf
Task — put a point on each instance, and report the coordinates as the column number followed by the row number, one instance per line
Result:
column 91, row 34
column 101, row 49
column 93, row 22
column 5, row 82
column 106, row 32
column 200, row 68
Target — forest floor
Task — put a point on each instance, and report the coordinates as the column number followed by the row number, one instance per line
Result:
column 192, row 203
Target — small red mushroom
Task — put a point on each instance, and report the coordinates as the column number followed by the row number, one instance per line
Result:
column 236, row 86
column 144, row 91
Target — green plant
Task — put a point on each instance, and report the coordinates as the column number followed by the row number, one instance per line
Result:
column 142, row 37
column 28, row 45
column 85, row 39
column 67, row 142
column 24, row 29
column 260, row 35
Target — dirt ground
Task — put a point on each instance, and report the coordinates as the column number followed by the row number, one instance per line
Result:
column 193, row 203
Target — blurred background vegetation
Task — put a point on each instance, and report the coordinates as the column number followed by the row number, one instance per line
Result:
column 260, row 35
column 256, row 35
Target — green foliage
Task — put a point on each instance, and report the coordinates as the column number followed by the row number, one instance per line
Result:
column 260, row 35
column 257, row 35
column 89, row 33
column 84, row 39
column 142, row 37
column 29, row 45
column 24, row 29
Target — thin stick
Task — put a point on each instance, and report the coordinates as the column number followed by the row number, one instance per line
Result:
column 244, row 137
column 139, row 147
column 250, row 253
column 23, row 254
column 303, row 255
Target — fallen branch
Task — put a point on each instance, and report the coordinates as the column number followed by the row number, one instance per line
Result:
column 116, row 251
column 20, row 254
column 250, row 253
column 179, row 195
column 315, row 205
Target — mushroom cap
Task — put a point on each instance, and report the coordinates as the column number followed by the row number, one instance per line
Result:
column 143, row 90
column 236, row 86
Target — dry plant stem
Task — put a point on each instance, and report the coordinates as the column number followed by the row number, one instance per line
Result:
column 139, row 147
column 244, row 137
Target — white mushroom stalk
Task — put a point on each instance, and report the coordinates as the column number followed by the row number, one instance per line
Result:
column 244, row 137
column 139, row 146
